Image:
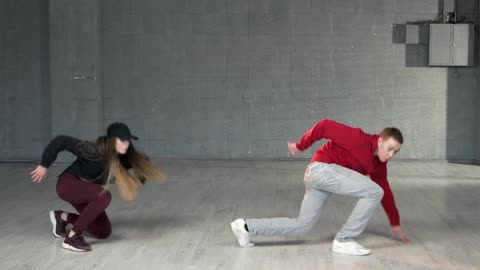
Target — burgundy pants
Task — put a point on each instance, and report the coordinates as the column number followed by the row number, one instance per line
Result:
column 90, row 200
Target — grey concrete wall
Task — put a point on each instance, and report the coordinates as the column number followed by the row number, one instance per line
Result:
column 24, row 79
column 236, row 79
column 228, row 79
column 462, row 89
column 76, row 69
column 477, row 97
column 75, row 63
column 477, row 128
column 464, row 98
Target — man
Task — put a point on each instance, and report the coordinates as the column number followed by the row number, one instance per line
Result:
column 341, row 166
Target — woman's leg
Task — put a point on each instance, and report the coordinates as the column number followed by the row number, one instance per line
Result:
column 100, row 227
column 90, row 200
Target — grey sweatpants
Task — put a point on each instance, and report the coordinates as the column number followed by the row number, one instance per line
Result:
column 321, row 181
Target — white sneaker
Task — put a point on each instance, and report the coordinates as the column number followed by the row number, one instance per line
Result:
column 349, row 248
column 243, row 237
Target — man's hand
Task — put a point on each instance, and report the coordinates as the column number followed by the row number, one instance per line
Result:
column 397, row 233
column 293, row 148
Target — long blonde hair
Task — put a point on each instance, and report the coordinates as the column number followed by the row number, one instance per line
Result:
column 128, row 184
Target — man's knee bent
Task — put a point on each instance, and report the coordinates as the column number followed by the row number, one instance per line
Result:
column 376, row 192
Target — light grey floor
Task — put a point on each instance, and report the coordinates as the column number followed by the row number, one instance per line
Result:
column 184, row 224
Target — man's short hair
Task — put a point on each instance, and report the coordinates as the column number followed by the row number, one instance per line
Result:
column 392, row 132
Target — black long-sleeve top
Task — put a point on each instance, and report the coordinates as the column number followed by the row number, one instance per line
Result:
column 90, row 164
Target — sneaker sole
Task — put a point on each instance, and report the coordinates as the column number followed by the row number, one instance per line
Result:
column 69, row 247
column 346, row 252
column 234, row 228
column 54, row 224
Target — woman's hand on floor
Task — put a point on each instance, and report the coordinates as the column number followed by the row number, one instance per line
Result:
column 39, row 174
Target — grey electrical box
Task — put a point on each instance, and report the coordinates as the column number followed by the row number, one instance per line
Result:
column 451, row 45
column 416, row 34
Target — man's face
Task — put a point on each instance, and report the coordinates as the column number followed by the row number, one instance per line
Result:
column 387, row 148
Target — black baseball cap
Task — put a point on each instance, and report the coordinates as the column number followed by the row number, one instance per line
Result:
column 120, row 130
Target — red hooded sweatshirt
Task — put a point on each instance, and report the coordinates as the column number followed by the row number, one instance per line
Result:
column 352, row 148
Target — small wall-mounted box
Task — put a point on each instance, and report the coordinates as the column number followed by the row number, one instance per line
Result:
column 416, row 34
column 451, row 44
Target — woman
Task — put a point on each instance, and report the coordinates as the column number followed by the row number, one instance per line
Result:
column 84, row 183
